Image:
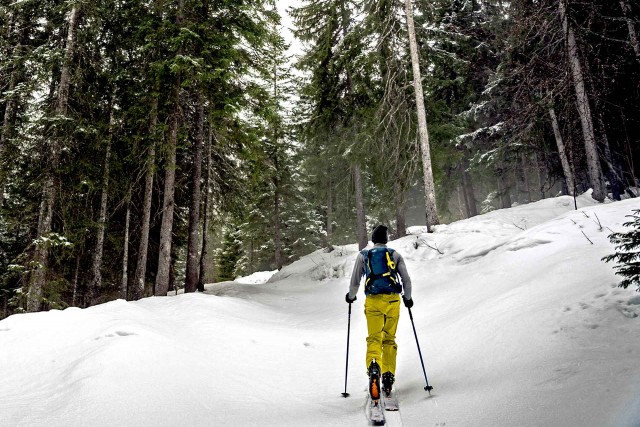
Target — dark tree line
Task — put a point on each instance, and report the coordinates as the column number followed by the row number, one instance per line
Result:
column 132, row 133
column 524, row 100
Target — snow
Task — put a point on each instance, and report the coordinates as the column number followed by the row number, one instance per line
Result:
column 519, row 322
column 257, row 277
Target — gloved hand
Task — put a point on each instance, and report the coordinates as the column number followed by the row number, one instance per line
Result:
column 408, row 302
column 349, row 300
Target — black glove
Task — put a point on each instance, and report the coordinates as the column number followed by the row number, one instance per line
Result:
column 408, row 302
column 349, row 300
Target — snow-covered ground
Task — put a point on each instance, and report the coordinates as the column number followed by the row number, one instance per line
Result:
column 519, row 321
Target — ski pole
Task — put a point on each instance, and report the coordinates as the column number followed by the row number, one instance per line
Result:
column 427, row 387
column 346, row 370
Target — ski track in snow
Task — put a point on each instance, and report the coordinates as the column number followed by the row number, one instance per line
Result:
column 519, row 322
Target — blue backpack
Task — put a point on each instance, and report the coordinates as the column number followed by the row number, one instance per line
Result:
column 381, row 273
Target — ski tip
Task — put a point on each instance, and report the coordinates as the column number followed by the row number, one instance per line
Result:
column 345, row 395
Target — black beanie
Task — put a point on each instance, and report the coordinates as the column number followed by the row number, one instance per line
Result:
column 379, row 234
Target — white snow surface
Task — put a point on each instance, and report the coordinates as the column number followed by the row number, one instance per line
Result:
column 256, row 278
column 519, row 322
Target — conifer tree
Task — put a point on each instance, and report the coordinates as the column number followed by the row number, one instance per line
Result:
column 627, row 254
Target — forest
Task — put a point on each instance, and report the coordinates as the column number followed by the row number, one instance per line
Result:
column 150, row 146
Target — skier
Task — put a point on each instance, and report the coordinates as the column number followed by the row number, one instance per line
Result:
column 381, row 266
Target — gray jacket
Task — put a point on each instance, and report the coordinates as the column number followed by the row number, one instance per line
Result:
column 359, row 272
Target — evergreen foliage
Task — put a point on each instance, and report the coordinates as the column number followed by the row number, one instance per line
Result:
column 627, row 254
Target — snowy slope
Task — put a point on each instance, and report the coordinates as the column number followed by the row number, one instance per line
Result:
column 519, row 321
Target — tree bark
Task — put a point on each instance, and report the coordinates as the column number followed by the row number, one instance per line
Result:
column 139, row 278
column 277, row 228
column 191, row 275
column 525, row 176
column 125, row 257
column 96, row 265
column 564, row 160
column 168, row 202
column 400, row 202
column 541, row 179
column 75, row 282
column 503, row 186
column 613, row 172
column 361, row 224
column 463, row 204
column 593, row 161
column 277, row 196
column 429, row 185
column 633, row 35
column 165, row 264
column 469, row 193
column 205, row 215
column 329, row 212
column 41, row 256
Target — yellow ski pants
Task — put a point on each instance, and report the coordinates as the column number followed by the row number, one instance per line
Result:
column 382, row 312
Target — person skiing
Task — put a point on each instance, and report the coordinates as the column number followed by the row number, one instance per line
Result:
column 381, row 267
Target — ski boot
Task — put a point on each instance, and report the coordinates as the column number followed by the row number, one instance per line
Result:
column 387, row 382
column 374, row 380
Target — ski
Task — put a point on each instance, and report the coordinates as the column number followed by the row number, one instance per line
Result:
column 375, row 412
column 390, row 402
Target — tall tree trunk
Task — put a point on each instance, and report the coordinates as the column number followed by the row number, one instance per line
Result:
column 164, row 275
column 277, row 194
column 41, row 256
column 361, row 224
column 564, row 160
column 524, row 173
column 400, row 202
column 7, row 128
column 613, row 172
column 463, row 200
column 96, row 265
column 14, row 23
column 168, row 202
column 277, row 228
column 125, row 257
column 469, row 192
column 540, row 169
column 503, row 186
column 139, row 278
column 633, row 36
column 584, row 109
column 329, row 212
column 74, row 295
column 205, row 214
column 191, row 275
column 463, row 204
column 429, row 185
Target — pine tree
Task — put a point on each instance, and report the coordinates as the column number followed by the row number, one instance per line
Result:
column 627, row 254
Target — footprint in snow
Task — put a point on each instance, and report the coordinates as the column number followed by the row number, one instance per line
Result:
column 630, row 308
column 634, row 300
